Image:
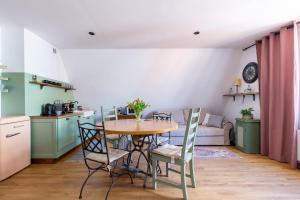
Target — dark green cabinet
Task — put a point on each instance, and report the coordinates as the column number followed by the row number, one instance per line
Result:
column 248, row 135
column 53, row 137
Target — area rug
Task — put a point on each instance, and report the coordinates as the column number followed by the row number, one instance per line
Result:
column 202, row 153
column 211, row 153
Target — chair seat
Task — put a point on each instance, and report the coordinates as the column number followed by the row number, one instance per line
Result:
column 169, row 150
column 114, row 154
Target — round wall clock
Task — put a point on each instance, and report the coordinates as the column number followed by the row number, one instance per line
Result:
column 250, row 72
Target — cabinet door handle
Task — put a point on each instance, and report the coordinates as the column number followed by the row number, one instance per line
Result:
column 67, row 118
column 12, row 135
column 18, row 126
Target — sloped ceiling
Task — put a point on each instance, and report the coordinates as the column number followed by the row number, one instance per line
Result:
column 150, row 23
column 166, row 78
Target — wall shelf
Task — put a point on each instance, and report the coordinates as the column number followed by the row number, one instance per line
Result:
column 3, row 66
column 5, row 90
column 3, row 78
column 41, row 84
column 253, row 94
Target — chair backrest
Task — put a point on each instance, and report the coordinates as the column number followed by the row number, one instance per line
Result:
column 161, row 116
column 190, row 133
column 109, row 113
column 93, row 139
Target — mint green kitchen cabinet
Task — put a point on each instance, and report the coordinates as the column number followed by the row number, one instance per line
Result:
column 66, row 137
column 52, row 137
column 248, row 135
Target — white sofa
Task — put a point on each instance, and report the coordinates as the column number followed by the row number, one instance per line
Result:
column 205, row 135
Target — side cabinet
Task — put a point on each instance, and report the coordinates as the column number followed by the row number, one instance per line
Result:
column 248, row 135
column 53, row 137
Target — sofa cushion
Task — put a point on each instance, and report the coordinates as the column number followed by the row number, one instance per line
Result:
column 205, row 120
column 215, row 121
column 178, row 132
column 204, row 131
column 202, row 116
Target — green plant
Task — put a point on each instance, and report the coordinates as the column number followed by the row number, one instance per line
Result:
column 138, row 106
column 247, row 111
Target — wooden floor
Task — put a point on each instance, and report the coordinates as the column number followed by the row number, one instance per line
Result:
column 251, row 177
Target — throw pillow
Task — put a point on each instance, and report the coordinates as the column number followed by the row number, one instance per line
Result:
column 202, row 116
column 215, row 121
column 206, row 118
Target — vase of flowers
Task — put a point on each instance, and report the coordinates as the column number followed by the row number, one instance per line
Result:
column 247, row 113
column 138, row 106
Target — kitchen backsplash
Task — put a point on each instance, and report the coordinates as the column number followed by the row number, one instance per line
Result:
column 25, row 98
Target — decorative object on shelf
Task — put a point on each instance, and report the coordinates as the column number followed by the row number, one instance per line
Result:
column 250, row 72
column 230, row 91
column 253, row 94
column 248, row 90
column 237, row 83
column 52, row 83
column 138, row 106
column 34, row 77
column 247, row 113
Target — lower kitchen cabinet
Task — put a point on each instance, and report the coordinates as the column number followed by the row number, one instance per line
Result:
column 52, row 137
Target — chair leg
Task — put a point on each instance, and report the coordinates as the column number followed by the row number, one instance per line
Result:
column 183, row 182
column 192, row 173
column 83, row 184
column 112, row 183
column 167, row 169
column 154, row 174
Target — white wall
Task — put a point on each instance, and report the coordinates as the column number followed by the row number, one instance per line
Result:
column 12, row 46
column 40, row 59
column 232, row 108
column 166, row 78
column 0, row 61
column 23, row 51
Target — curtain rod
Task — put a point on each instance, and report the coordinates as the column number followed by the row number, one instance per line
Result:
column 276, row 33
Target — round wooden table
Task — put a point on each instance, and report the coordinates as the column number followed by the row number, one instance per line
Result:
column 140, row 128
column 142, row 132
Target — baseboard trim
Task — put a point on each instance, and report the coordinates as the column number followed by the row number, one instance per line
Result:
column 51, row 160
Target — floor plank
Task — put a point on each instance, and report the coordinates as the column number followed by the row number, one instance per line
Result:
column 252, row 177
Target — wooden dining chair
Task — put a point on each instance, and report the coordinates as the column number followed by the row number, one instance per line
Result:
column 97, row 156
column 180, row 156
column 110, row 114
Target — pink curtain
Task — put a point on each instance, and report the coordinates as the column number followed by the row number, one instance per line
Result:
column 276, row 56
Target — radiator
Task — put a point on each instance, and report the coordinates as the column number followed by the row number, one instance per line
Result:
column 298, row 145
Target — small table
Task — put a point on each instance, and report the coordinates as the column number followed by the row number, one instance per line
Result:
column 139, row 131
column 248, row 135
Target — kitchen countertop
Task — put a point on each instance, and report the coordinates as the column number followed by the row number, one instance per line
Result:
column 78, row 113
column 11, row 119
